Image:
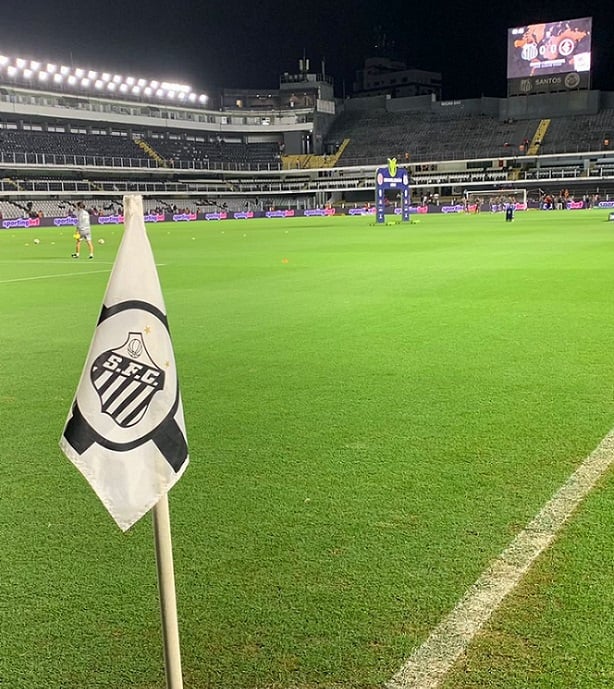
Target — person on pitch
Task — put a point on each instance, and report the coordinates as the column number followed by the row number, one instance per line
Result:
column 83, row 231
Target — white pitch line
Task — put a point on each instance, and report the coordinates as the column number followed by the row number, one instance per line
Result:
column 51, row 262
column 428, row 665
column 53, row 275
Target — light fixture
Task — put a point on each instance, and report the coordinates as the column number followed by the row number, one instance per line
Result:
column 170, row 86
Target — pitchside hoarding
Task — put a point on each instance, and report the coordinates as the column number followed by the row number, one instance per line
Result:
column 552, row 56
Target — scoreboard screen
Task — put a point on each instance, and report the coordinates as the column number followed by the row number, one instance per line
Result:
column 549, row 48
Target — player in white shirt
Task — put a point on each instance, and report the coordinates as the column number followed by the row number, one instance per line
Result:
column 83, row 230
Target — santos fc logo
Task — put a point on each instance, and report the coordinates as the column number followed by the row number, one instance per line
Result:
column 126, row 379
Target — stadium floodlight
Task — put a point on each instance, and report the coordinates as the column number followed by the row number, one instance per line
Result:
column 92, row 74
column 12, row 71
column 51, row 68
column 154, row 84
column 160, row 93
column 20, row 62
column 27, row 73
column 148, row 91
column 136, row 90
column 142, row 83
column 72, row 79
column 4, row 60
column 85, row 82
column 43, row 76
column 105, row 76
column 58, row 78
column 131, row 81
column 35, row 65
column 64, row 70
column 79, row 73
column 170, row 86
column 111, row 86
column 170, row 94
column 192, row 97
column 98, row 84
column 123, row 88
column 203, row 98
column 117, row 78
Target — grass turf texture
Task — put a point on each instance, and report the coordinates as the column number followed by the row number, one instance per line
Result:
column 373, row 413
column 556, row 630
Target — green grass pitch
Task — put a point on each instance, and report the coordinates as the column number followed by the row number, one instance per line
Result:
column 373, row 413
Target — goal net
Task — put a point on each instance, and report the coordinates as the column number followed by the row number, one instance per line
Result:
column 496, row 200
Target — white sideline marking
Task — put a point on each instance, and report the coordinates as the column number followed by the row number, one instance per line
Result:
column 429, row 663
column 54, row 275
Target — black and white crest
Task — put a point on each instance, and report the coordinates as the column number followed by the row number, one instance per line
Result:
column 126, row 379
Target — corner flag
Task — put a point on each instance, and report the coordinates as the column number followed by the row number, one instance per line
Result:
column 125, row 430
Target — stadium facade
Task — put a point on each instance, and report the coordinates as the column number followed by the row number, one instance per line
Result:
column 296, row 148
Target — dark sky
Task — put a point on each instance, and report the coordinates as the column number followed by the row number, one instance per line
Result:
column 249, row 43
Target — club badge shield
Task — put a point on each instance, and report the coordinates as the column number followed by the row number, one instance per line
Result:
column 126, row 379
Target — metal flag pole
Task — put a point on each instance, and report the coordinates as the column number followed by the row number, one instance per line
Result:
column 166, row 587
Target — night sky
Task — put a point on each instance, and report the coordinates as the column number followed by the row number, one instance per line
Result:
column 249, row 43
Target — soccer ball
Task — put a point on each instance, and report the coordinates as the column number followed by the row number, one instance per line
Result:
column 101, row 241
column 37, row 241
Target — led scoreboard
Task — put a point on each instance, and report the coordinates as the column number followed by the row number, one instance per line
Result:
column 551, row 56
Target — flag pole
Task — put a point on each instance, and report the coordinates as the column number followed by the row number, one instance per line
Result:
column 166, row 587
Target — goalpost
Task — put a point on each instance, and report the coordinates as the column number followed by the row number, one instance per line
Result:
column 496, row 199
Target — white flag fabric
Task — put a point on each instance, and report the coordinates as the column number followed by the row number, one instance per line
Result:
column 125, row 430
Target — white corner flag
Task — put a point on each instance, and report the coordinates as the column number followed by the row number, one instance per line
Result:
column 125, row 430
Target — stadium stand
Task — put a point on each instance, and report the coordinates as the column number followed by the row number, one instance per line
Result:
column 175, row 149
column 377, row 134
column 188, row 157
column 578, row 133
column 186, row 147
column 68, row 144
